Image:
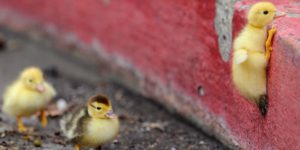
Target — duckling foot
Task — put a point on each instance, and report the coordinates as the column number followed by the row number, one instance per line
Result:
column 77, row 147
column 263, row 104
column 43, row 118
column 21, row 127
column 269, row 49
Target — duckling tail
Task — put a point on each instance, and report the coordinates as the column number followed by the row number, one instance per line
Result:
column 263, row 104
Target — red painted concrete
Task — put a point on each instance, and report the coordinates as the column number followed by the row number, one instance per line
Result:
column 175, row 41
column 280, row 129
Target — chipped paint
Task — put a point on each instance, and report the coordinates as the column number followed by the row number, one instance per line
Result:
column 293, row 15
column 106, row 2
column 223, row 26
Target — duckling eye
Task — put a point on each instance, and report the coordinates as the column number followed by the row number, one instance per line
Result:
column 98, row 108
column 30, row 80
column 266, row 12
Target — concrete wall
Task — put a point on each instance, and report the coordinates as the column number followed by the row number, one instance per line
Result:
column 177, row 51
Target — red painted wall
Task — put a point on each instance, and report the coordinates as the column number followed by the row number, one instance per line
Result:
column 175, row 41
column 280, row 129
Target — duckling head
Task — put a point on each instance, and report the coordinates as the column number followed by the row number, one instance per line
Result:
column 100, row 106
column 263, row 13
column 33, row 79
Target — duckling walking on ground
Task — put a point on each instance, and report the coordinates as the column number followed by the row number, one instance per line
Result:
column 29, row 94
column 252, row 49
column 92, row 125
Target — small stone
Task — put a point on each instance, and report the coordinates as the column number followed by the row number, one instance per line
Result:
column 119, row 95
column 3, row 135
column 123, row 117
column 131, row 146
column 57, row 133
column 27, row 138
column 61, row 104
column 37, row 143
column 181, row 138
column 116, row 142
column 4, row 143
column 59, row 141
column 11, row 142
column 155, row 125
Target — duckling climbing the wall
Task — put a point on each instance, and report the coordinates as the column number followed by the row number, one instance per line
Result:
column 29, row 94
column 92, row 125
column 252, row 48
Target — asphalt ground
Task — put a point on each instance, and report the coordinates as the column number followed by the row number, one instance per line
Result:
column 145, row 125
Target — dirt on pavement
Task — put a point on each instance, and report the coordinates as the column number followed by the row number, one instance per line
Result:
column 145, row 125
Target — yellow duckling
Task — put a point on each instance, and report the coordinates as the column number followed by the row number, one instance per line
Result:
column 92, row 125
column 29, row 94
column 252, row 50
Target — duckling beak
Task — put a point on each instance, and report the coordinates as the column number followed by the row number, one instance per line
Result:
column 40, row 88
column 111, row 115
column 279, row 14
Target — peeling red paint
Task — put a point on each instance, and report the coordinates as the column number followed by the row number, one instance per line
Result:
column 175, row 41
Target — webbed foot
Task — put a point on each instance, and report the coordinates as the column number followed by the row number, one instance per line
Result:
column 269, row 49
column 43, row 118
column 21, row 127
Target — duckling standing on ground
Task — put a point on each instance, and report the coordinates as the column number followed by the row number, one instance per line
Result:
column 93, row 125
column 29, row 94
column 252, row 49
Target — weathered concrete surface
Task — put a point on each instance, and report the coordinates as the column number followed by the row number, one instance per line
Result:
column 169, row 49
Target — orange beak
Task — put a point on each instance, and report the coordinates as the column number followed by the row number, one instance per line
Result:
column 279, row 14
column 40, row 88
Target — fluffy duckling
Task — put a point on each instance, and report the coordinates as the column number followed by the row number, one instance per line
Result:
column 92, row 125
column 252, row 49
column 29, row 94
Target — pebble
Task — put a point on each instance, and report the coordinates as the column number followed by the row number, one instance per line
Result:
column 37, row 143
column 61, row 104
column 201, row 142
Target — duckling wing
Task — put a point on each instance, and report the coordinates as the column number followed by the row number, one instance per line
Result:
column 10, row 91
column 240, row 56
column 10, row 97
column 50, row 91
column 73, row 124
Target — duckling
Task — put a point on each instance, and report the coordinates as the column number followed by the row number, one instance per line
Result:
column 93, row 125
column 252, row 49
column 29, row 94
